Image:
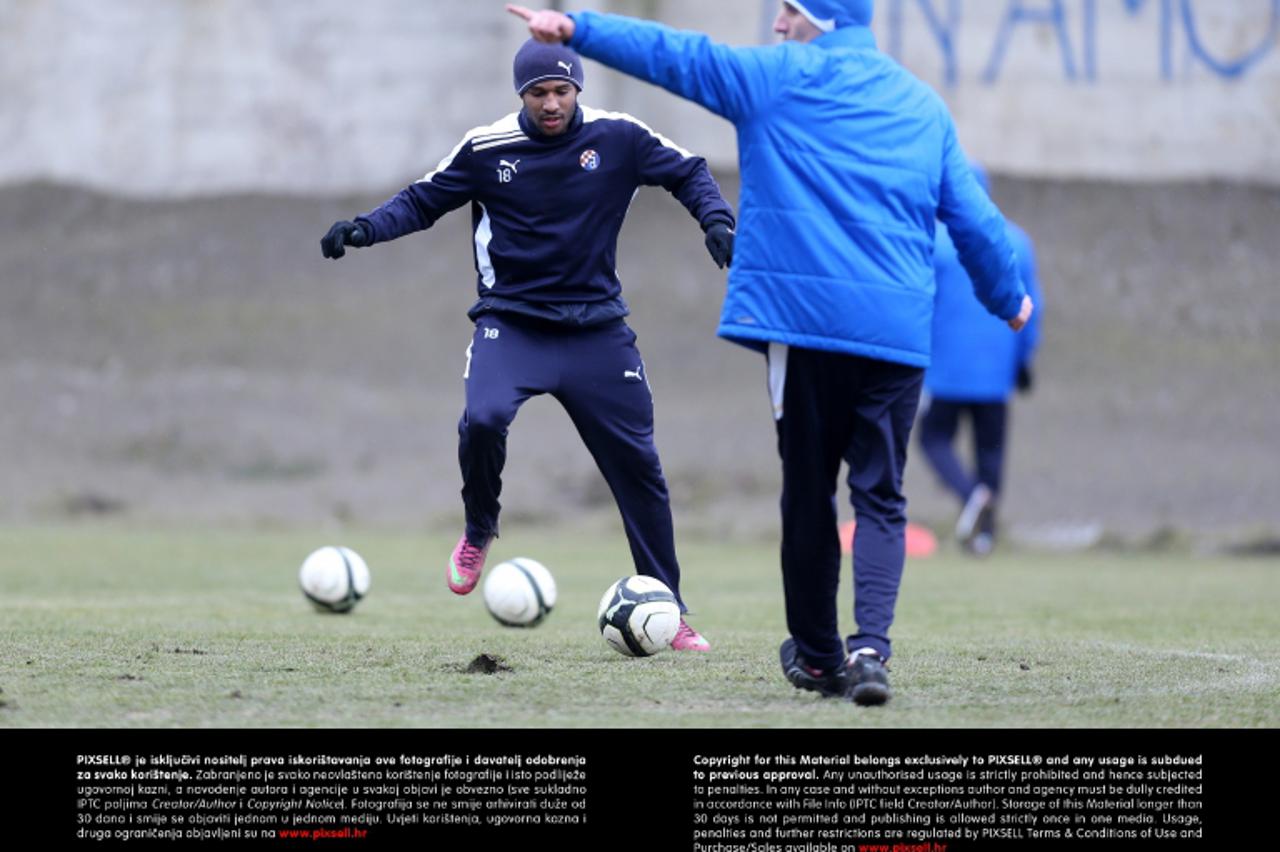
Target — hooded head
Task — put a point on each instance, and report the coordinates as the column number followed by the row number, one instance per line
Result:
column 828, row 15
column 537, row 62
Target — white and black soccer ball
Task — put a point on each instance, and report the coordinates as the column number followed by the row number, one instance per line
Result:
column 519, row 592
column 638, row 616
column 334, row 579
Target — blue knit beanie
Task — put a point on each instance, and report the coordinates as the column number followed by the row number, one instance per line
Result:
column 536, row 61
column 828, row 15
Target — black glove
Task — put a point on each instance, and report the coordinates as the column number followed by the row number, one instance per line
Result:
column 343, row 234
column 1024, row 380
column 720, row 244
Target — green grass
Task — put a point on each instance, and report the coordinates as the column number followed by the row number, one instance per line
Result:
column 109, row 626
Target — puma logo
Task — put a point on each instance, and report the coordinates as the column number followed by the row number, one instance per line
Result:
column 567, row 66
column 509, row 165
column 634, row 374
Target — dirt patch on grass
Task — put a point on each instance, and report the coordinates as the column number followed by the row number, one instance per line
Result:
column 487, row 664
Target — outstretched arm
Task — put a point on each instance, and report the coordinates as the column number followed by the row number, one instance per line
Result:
column 447, row 187
column 729, row 81
column 414, row 208
column 663, row 163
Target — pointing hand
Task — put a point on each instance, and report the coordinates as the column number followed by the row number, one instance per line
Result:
column 547, row 25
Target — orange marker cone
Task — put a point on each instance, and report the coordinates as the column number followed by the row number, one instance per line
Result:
column 921, row 543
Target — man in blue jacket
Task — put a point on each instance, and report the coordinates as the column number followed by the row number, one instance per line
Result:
column 976, row 365
column 847, row 161
column 549, row 187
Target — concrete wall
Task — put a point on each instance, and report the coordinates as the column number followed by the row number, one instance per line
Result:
column 1125, row 89
column 181, row 97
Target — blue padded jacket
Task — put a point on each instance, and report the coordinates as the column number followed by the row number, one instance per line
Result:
column 847, row 161
column 975, row 356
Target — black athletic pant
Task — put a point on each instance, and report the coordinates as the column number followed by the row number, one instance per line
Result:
column 597, row 375
column 828, row 407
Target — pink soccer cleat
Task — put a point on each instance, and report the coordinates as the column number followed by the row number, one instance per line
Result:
column 465, row 564
column 688, row 639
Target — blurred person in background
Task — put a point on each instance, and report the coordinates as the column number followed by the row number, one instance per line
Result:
column 549, row 187
column 847, row 162
column 977, row 363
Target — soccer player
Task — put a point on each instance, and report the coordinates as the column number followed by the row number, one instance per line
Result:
column 976, row 365
column 847, row 161
column 549, row 187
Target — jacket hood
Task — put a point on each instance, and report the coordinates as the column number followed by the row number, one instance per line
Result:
column 828, row 15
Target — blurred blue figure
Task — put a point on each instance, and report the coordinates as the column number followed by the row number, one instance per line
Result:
column 977, row 364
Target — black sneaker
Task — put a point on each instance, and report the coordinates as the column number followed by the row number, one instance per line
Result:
column 805, row 676
column 868, row 678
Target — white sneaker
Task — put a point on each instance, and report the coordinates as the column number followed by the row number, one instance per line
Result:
column 982, row 544
column 979, row 502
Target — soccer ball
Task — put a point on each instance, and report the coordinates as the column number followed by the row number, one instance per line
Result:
column 638, row 616
column 334, row 579
column 519, row 592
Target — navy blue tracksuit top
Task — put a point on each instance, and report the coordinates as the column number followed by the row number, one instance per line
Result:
column 546, row 210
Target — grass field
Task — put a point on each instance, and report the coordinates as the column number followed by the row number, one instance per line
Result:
column 111, row 626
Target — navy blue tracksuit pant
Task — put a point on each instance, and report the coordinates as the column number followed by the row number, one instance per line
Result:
column 828, row 407
column 938, row 427
column 597, row 375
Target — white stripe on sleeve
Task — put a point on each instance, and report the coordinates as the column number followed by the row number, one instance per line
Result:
column 506, row 126
column 592, row 114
